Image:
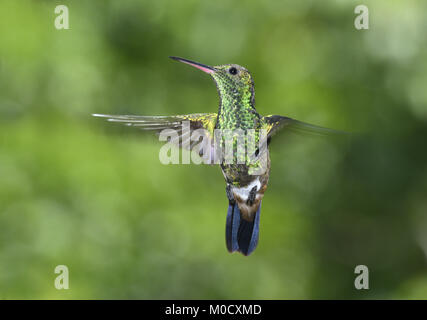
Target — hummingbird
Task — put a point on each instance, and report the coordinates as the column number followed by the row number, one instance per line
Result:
column 245, row 188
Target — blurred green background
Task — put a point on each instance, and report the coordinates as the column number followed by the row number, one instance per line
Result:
column 80, row 192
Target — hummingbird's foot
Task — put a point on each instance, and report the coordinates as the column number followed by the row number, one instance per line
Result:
column 229, row 193
column 251, row 197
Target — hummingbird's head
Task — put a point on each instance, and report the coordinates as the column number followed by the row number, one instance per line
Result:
column 232, row 80
column 229, row 76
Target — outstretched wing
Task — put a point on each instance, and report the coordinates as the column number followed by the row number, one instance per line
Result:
column 184, row 125
column 276, row 123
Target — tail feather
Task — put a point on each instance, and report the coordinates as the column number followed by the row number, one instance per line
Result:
column 231, row 228
column 241, row 235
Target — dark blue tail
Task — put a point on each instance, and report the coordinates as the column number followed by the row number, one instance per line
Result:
column 240, row 234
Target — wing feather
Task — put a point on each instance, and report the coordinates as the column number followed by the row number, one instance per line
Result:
column 276, row 123
column 196, row 121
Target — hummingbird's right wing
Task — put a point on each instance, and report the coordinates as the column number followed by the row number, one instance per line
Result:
column 183, row 125
column 276, row 123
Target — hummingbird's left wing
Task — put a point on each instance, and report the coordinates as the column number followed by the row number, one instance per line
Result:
column 183, row 125
column 276, row 123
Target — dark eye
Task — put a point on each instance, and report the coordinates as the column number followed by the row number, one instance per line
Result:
column 232, row 70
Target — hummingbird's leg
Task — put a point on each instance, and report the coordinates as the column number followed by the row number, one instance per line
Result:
column 229, row 193
column 251, row 197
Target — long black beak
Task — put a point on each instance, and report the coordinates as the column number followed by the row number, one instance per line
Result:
column 203, row 67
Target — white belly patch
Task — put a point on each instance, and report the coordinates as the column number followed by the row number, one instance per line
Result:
column 244, row 191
